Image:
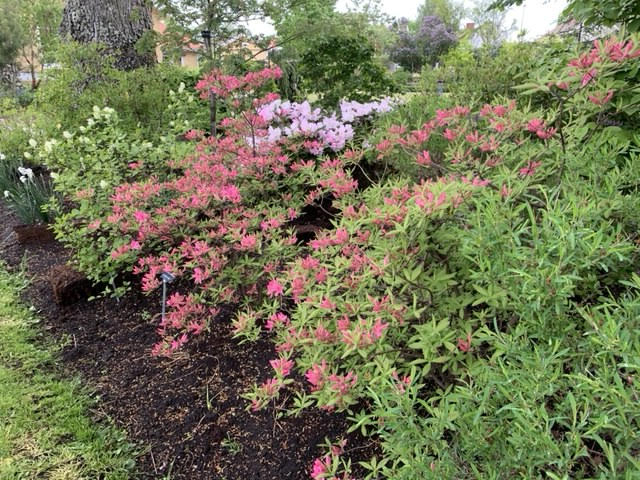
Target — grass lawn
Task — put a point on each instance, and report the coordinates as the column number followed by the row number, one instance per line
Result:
column 45, row 430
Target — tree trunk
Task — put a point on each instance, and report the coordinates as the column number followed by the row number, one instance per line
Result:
column 9, row 77
column 117, row 24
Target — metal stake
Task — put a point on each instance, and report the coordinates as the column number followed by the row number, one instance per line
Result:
column 166, row 278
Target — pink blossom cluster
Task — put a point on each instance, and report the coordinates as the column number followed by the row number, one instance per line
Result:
column 590, row 64
column 323, row 467
column 223, row 85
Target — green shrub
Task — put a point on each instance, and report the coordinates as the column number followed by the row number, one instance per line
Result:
column 343, row 66
column 88, row 165
column 479, row 317
column 87, row 78
column 474, row 77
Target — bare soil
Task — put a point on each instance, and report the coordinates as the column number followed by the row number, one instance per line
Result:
column 185, row 412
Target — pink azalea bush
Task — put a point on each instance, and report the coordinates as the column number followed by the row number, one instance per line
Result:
column 223, row 220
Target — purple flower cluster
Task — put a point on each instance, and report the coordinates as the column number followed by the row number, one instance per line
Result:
column 288, row 119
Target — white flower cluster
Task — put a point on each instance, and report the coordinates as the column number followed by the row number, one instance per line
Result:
column 25, row 174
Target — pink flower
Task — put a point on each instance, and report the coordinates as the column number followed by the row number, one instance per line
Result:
column 322, row 334
column 530, row 169
column 383, row 147
column 141, row 216
column 449, row 134
column 599, row 99
column 343, row 323
column 193, row 134
column 341, row 384
column 545, row 134
column 271, row 386
column 199, row 276
column 310, row 263
column 341, row 236
column 424, row 158
column 464, row 345
column 316, row 375
column 276, row 319
column 378, row 328
column 297, row 287
column 500, row 110
column 587, row 77
column 490, row 145
column 195, row 328
column 231, row 194
column 94, row 225
column 282, row 366
column 247, row 242
column 499, row 126
column 327, row 304
column 474, row 137
column 535, row 124
column 401, row 383
column 321, row 275
column 620, row 51
column 320, row 467
column 274, row 288
column 585, row 60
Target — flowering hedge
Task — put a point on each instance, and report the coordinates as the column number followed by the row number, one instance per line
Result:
column 420, row 281
column 444, row 306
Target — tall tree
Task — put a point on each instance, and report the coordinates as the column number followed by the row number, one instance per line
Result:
column 451, row 12
column 424, row 44
column 119, row 25
column 39, row 20
column 491, row 24
column 300, row 23
column 11, row 32
column 224, row 19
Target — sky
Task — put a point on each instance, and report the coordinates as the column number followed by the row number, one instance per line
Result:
column 537, row 17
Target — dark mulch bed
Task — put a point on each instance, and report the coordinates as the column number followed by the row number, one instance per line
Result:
column 186, row 411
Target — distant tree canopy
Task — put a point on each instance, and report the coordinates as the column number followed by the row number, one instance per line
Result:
column 11, row 32
column 334, row 54
column 424, row 44
column 451, row 12
column 490, row 24
column 303, row 23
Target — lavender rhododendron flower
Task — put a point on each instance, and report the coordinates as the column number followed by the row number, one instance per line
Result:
column 327, row 131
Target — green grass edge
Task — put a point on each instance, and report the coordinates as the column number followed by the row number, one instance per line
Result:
column 45, row 427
